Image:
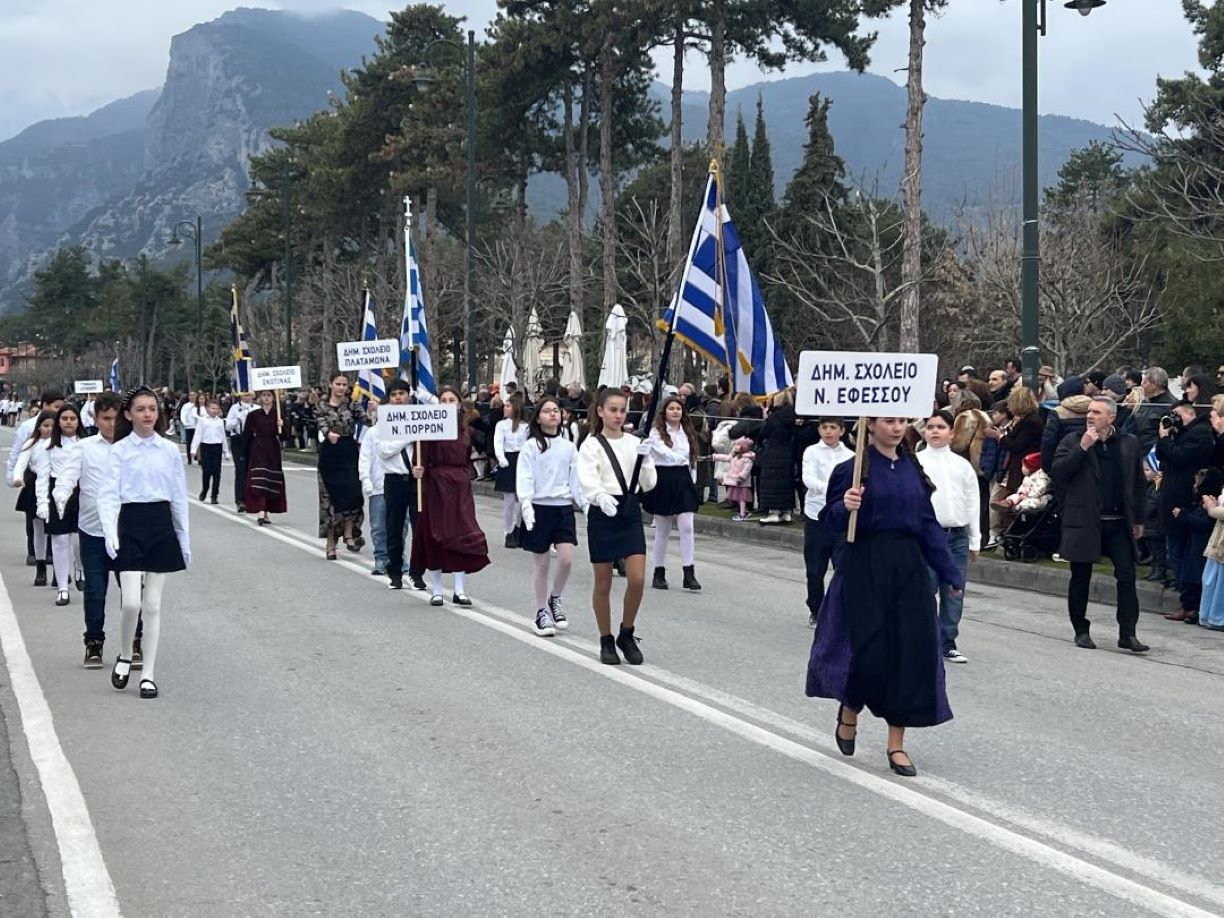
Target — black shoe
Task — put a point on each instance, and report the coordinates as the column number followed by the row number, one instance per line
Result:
column 203, row 494
column 395, row 585
column 213, row 501
column 460, row 599
column 31, row 560
column 607, row 650
column 148, row 688
column 628, row 645
column 618, row 568
column 80, row 581
column 418, row 583
column 659, row 582
column 40, row 573
column 1132, row 644
column 242, row 508
column 120, row 680
column 905, row 771
column 811, row 619
column 846, row 746
column 1084, row 641
column 93, row 655
column 61, row 598
column 137, row 656
column 509, row 543
column 1154, row 576
column 690, row 579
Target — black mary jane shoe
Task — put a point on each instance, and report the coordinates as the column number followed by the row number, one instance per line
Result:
column 120, row 680
column 460, row 599
column 845, row 746
column 263, row 521
column 148, row 688
column 905, row 771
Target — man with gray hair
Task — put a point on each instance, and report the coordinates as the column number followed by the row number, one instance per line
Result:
column 1099, row 483
column 1158, row 401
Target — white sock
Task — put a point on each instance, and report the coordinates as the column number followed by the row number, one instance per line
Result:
column 435, row 582
column 460, row 576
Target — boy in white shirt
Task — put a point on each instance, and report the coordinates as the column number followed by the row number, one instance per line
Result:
column 819, row 546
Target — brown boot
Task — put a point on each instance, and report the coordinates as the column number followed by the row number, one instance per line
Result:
column 1179, row 616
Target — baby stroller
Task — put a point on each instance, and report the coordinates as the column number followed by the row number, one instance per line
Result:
column 1032, row 535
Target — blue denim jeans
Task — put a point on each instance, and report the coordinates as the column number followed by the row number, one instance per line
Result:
column 378, row 530
column 951, row 607
column 95, row 564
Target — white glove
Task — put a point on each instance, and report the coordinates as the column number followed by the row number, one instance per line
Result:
column 607, row 504
column 62, row 507
column 644, row 448
column 43, row 512
column 112, row 547
column 187, row 559
column 503, row 463
column 528, row 513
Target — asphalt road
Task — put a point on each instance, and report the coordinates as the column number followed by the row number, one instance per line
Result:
column 325, row 747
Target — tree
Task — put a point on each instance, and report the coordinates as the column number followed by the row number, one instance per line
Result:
column 758, row 204
column 58, row 311
column 738, row 178
column 1091, row 177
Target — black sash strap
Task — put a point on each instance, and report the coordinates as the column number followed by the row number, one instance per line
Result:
column 620, row 475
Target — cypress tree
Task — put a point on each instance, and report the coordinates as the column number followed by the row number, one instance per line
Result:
column 738, row 180
column 761, row 182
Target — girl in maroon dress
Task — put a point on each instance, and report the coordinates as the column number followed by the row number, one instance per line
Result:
column 265, row 480
column 447, row 538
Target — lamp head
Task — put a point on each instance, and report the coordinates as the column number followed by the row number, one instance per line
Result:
column 174, row 239
column 422, row 78
column 1084, row 7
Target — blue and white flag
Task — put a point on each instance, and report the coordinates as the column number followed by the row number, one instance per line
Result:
column 242, row 350
column 114, row 375
column 414, row 333
column 718, row 309
column 371, row 389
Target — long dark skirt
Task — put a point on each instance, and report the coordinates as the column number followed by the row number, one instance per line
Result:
column 877, row 641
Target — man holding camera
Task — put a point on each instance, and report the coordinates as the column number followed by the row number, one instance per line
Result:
column 1185, row 445
column 1098, row 479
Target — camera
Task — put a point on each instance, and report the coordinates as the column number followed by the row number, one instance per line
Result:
column 1170, row 422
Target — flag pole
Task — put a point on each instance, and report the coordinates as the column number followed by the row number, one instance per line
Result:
column 412, row 345
column 860, row 451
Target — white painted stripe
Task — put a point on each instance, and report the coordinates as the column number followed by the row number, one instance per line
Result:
column 1047, row 855
column 91, row 894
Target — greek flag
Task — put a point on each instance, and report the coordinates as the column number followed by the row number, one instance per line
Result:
column 718, row 309
column 242, row 350
column 371, row 390
column 415, row 334
column 114, row 375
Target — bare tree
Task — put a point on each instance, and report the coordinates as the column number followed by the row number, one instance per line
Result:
column 648, row 268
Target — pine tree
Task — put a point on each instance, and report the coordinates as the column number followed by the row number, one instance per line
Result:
column 821, row 175
column 760, row 194
column 739, row 172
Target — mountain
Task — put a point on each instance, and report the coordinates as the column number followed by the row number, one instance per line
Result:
column 139, row 172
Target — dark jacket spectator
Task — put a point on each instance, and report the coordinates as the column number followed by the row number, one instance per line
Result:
column 1076, row 474
column 1023, row 437
column 1144, row 421
column 1182, row 453
column 775, row 456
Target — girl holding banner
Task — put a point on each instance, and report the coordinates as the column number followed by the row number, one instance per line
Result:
column 877, row 642
column 264, row 491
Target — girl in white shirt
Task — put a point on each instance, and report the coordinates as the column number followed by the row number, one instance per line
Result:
column 606, row 462
column 57, row 497
column 30, row 458
column 189, row 416
column 547, row 488
column 508, row 438
column 673, row 446
column 956, row 501
column 142, row 505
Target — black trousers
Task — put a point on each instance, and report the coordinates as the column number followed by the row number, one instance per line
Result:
column 188, row 437
column 1117, row 545
column 210, row 465
column 399, row 495
column 240, row 469
column 818, row 550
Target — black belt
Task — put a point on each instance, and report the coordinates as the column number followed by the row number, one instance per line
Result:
column 952, row 529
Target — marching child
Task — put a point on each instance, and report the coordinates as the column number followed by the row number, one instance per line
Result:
column 819, row 543
column 508, row 438
column 547, row 487
column 143, row 508
column 57, row 497
column 30, row 459
column 674, row 499
column 606, row 461
column 738, row 477
column 208, row 445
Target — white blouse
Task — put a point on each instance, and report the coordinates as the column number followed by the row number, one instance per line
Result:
column 595, row 472
column 61, row 465
column 33, row 458
column 506, row 440
column 549, row 478
column 144, row 470
column 664, row 455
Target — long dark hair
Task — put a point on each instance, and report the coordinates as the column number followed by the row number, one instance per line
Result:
column 686, row 424
column 904, row 449
column 601, row 400
column 123, row 424
column 44, row 415
column 535, row 431
column 57, row 435
column 515, row 402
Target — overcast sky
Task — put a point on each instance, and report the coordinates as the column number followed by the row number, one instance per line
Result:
column 68, row 57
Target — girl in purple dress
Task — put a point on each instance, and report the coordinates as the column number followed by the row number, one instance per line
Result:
column 877, row 642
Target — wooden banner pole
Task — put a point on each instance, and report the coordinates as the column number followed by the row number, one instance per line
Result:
column 860, row 451
column 420, row 484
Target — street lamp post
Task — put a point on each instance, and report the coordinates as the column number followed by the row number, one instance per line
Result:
column 423, row 79
column 195, row 232
column 286, row 202
column 145, row 331
column 1030, row 258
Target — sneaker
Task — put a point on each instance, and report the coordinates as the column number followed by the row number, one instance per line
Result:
column 955, row 656
column 93, row 655
column 739, row 519
column 1059, row 558
column 137, row 656
column 557, row 613
column 544, row 626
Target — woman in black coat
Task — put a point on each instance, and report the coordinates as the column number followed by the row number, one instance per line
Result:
column 775, row 456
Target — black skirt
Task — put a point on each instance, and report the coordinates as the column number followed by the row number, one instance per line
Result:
column 553, row 526
column 66, row 524
column 674, row 492
column 613, row 538
column 27, row 503
column 505, row 479
column 147, row 540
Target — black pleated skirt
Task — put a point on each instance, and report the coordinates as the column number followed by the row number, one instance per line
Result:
column 27, row 503
column 674, row 493
column 147, row 540
column 504, row 479
column 66, row 524
column 613, row 538
column 553, row 526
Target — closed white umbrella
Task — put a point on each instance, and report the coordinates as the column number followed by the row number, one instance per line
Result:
column 533, row 343
column 614, row 371
column 572, row 370
column 509, row 370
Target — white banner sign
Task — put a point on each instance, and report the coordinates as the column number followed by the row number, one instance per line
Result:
column 87, row 386
column 850, row 384
column 367, row 355
column 418, row 422
column 276, row 378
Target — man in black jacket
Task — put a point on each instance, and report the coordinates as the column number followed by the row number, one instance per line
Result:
column 1184, row 447
column 1158, row 401
column 1098, row 479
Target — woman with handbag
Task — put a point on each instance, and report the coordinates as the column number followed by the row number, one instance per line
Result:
column 265, row 480
column 606, row 463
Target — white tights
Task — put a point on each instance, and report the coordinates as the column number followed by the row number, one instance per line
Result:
column 510, row 512
column 40, row 539
column 663, row 526
column 435, row 582
column 138, row 603
column 66, row 556
column 565, row 562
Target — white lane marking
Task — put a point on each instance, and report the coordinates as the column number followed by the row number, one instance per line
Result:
column 1040, row 852
column 87, row 882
